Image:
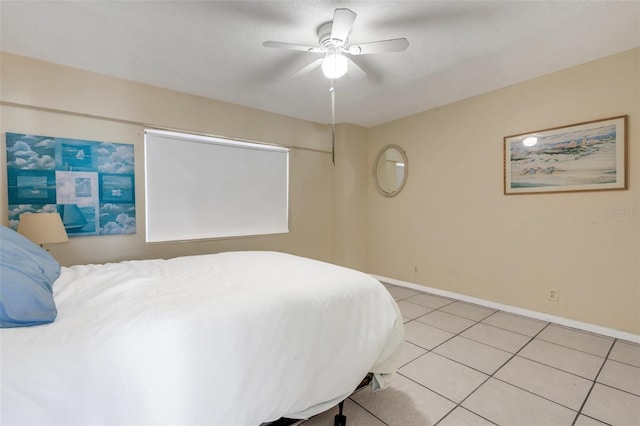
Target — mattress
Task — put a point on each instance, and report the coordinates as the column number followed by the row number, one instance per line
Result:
column 235, row 338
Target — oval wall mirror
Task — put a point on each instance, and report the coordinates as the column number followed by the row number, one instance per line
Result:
column 390, row 170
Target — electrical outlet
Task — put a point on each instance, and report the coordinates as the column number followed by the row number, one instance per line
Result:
column 415, row 269
column 554, row 294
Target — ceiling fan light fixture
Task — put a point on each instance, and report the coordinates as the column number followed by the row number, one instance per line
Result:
column 334, row 65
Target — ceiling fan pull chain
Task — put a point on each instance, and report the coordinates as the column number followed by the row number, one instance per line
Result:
column 332, row 90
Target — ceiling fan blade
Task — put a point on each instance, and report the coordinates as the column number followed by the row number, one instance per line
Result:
column 354, row 70
column 382, row 46
column 292, row 46
column 342, row 22
column 313, row 65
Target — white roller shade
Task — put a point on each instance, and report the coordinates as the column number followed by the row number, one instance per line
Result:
column 199, row 187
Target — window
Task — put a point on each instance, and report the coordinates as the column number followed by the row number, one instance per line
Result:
column 199, row 187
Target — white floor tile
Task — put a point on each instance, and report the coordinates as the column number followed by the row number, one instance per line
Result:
column 575, row 339
column 468, row 310
column 567, row 359
column 515, row 323
column 507, row 405
column 425, row 336
column 404, row 403
column 429, row 300
column 448, row 322
column 496, row 337
column 463, row 417
column 588, row 421
column 410, row 352
column 447, row 378
column 411, row 310
column 544, row 384
column 548, row 382
column 621, row 376
column 626, row 352
column 613, row 406
column 399, row 293
column 474, row 354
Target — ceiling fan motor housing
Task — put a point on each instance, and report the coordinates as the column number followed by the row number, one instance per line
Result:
column 324, row 37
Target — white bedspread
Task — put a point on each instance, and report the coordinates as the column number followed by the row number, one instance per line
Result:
column 234, row 338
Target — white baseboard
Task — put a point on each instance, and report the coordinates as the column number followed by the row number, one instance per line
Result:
column 592, row 328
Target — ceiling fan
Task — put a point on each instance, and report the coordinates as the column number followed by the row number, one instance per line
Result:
column 332, row 38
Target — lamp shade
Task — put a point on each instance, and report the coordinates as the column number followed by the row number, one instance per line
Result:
column 43, row 228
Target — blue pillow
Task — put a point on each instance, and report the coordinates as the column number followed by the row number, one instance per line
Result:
column 27, row 273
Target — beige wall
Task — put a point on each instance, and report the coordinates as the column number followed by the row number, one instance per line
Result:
column 451, row 221
column 454, row 224
column 350, row 196
column 47, row 99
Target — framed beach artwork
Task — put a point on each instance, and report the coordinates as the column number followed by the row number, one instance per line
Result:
column 587, row 156
column 89, row 183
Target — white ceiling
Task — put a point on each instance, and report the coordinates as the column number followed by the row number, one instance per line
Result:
column 458, row 49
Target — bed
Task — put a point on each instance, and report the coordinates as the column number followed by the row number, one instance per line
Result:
column 236, row 338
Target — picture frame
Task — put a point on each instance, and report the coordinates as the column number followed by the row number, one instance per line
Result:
column 91, row 184
column 587, row 156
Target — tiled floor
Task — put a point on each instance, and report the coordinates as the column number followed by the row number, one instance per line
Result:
column 469, row 365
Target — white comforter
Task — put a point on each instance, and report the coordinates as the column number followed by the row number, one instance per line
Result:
column 225, row 339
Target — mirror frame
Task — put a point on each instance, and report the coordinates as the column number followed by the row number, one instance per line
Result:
column 404, row 178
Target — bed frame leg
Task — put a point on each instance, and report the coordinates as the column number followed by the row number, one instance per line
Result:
column 340, row 419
